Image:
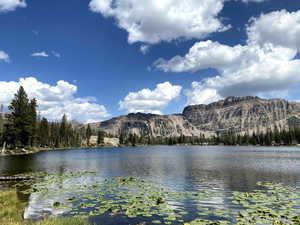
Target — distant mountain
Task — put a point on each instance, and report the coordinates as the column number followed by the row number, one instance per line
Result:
column 148, row 125
column 238, row 115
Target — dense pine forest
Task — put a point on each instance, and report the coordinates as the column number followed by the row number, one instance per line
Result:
column 271, row 138
column 23, row 128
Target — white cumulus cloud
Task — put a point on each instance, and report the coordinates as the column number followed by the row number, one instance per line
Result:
column 203, row 55
column 279, row 27
column 201, row 94
column 4, row 56
column 150, row 101
column 55, row 100
column 154, row 21
column 40, row 54
column 11, row 5
column 243, row 70
column 264, row 66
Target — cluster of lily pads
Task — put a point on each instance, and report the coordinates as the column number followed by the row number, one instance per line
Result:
column 84, row 194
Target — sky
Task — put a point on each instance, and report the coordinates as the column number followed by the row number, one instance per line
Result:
column 96, row 59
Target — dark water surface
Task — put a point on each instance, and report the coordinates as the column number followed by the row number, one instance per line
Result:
column 224, row 169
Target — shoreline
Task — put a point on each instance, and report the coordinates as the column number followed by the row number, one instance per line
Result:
column 34, row 151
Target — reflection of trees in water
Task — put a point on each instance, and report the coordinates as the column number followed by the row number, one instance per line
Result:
column 24, row 197
column 21, row 194
column 12, row 165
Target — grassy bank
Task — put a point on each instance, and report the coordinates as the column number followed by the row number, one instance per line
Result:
column 11, row 211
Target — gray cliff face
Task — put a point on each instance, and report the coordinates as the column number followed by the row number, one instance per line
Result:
column 148, row 125
column 239, row 114
column 244, row 114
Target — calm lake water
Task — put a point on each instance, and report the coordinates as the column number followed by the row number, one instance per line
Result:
column 184, row 168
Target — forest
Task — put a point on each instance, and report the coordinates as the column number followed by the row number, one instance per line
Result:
column 271, row 138
column 23, row 128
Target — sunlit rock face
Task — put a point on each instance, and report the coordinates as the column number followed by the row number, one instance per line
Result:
column 240, row 115
column 149, row 125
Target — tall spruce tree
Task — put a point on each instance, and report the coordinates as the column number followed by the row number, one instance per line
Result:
column 100, row 138
column 44, row 133
column 19, row 128
column 32, row 113
column 1, row 124
column 88, row 134
column 63, row 131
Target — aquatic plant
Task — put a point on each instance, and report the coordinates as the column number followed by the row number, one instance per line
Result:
column 148, row 201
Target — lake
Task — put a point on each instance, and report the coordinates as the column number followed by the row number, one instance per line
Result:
column 221, row 170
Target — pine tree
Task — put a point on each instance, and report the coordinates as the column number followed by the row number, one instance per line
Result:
column 19, row 129
column 122, row 139
column 297, row 135
column 253, row 139
column 276, row 135
column 133, row 139
column 33, row 121
column 88, row 134
column 100, row 137
column 1, row 125
column 44, row 133
column 63, row 131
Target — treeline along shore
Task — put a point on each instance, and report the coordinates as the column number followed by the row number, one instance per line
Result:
column 290, row 137
column 23, row 131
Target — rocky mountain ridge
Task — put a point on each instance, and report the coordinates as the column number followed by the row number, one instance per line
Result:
column 238, row 115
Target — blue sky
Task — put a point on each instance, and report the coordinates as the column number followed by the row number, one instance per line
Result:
column 93, row 49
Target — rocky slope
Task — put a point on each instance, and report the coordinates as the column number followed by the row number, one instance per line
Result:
column 235, row 114
column 148, row 125
column 244, row 114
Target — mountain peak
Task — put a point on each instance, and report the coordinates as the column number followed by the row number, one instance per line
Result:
column 243, row 115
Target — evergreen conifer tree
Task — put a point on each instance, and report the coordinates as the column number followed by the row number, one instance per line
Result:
column 19, row 129
column 88, row 134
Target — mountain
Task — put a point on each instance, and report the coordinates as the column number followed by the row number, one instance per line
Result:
column 238, row 115
column 148, row 125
